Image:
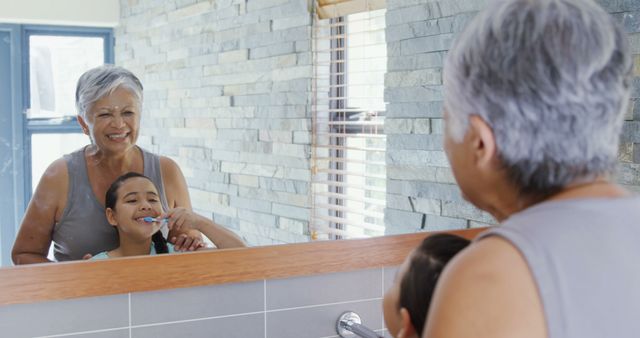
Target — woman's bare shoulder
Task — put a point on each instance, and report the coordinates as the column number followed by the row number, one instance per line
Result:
column 175, row 184
column 168, row 165
column 171, row 173
column 50, row 196
column 56, row 174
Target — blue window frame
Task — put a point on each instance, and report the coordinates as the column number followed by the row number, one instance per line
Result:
column 17, row 129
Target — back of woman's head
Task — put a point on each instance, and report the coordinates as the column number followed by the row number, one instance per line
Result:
column 111, row 199
column 425, row 266
column 101, row 81
column 552, row 79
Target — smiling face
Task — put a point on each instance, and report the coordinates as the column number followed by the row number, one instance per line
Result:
column 113, row 121
column 137, row 198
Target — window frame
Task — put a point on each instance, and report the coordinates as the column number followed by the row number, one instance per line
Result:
column 12, row 198
column 66, row 125
column 17, row 182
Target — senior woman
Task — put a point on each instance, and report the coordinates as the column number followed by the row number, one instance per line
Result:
column 535, row 92
column 68, row 204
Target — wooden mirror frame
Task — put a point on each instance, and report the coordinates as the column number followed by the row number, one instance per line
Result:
column 67, row 280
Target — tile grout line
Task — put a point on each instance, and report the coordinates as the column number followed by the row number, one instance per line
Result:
column 326, row 304
column 82, row 332
column 130, row 315
column 120, row 328
column 264, row 289
column 196, row 319
column 264, row 311
column 383, row 290
column 251, row 313
column 214, row 317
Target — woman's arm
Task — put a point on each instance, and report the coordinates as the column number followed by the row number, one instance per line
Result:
column 175, row 185
column 486, row 291
column 183, row 219
column 177, row 194
column 46, row 206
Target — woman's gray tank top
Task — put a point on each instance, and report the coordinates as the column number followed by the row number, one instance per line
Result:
column 83, row 227
column 585, row 258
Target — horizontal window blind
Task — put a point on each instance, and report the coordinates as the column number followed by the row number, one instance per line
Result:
column 349, row 145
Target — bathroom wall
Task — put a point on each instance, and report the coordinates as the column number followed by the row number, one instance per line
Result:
column 421, row 191
column 302, row 307
column 227, row 96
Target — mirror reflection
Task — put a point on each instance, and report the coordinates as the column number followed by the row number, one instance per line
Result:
column 133, row 206
column 232, row 134
column 274, row 125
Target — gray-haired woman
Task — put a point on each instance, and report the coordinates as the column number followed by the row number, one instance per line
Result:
column 535, row 92
column 67, row 207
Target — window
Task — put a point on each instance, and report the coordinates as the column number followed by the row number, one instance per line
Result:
column 42, row 65
column 56, row 59
column 349, row 176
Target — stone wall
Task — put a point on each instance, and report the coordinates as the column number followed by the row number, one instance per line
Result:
column 227, row 96
column 421, row 191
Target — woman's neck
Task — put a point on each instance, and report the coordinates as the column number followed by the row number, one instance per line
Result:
column 112, row 162
column 600, row 187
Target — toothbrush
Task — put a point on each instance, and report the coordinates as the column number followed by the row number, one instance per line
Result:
column 152, row 219
column 164, row 223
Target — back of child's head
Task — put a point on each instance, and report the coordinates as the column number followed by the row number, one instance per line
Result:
column 111, row 198
column 425, row 266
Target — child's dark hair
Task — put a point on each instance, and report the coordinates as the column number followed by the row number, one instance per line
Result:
column 159, row 242
column 419, row 281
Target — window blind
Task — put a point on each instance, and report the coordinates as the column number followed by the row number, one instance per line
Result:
column 349, row 145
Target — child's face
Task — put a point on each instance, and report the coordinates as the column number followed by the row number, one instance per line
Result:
column 390, row 303
column 137, row 198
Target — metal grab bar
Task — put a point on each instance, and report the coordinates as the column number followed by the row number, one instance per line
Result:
column 350, row 324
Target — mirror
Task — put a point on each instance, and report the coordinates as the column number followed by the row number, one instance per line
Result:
column 287, row 128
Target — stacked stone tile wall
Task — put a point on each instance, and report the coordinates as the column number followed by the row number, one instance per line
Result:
column 227, row 96
column 421, row 191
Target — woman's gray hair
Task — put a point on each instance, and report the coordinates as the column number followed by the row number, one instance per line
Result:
column 98, row 82
column 551, row 78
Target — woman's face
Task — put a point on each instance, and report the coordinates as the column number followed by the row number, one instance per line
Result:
column 113, row 121
column 137, row 199
column 391, row 301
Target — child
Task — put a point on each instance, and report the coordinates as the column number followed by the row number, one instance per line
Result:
column 406, row 303
column 131, row 198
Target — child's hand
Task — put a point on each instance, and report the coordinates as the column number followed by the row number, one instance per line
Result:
column 181, row 219
column 187, row 242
